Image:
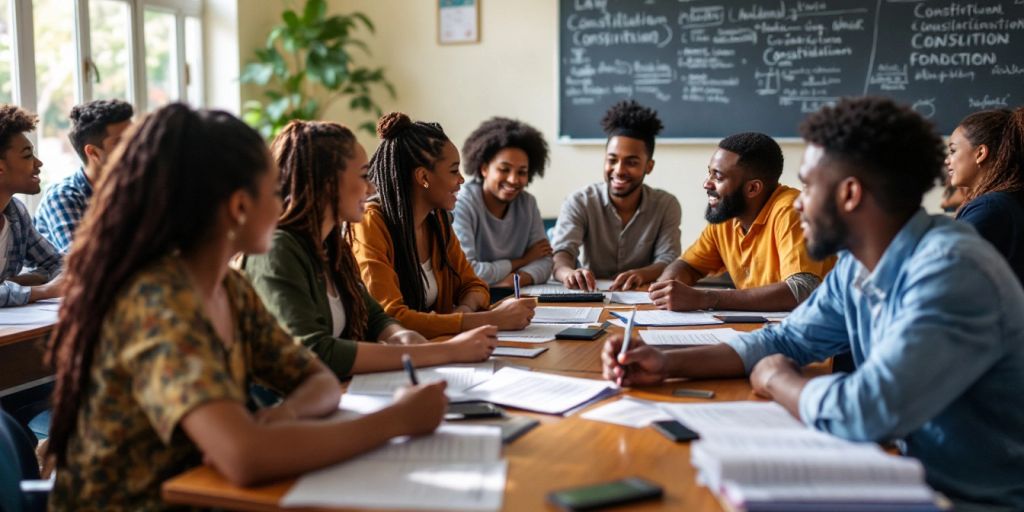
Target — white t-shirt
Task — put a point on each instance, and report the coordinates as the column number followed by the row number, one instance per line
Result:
column 337, row 311
column 430, row 283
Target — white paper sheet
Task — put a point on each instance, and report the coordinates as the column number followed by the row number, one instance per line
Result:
column 630, row 298
column 688, row 337
column 540, row 392
column 628, row 412
column 459, row 467
column 650, row 318
column 709, row 418
column 459, row 378
column 44, row 313
column 565, row 315
column 536, row 332
column 518, row 352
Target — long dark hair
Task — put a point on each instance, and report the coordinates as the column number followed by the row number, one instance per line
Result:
column 160, row 193
column 404, row 147
column 1003, row 132
column 311, row 155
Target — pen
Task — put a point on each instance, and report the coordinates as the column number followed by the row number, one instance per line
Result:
column 407, row 363
column 515, row 283
column 629, row 333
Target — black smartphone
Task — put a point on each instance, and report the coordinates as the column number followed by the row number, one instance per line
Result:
column 742, row 319
column 619, row 492
column 579, row 333
column 674, row 430
column 472, row 410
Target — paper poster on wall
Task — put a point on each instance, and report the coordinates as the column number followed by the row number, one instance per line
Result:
column 458, row 21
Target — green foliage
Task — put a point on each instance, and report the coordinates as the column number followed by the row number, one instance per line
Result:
column 306, row 65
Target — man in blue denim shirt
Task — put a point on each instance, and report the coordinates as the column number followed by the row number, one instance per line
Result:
column 932, row 313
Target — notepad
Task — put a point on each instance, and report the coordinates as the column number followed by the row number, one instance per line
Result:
column 669, row 318
column 628, row 412
column 459, row 378
column 518, row 352
column 688, row 337
column 539, row 392
column 536, row 332
column 630, row 298
column 564, row 315
column 459, row 467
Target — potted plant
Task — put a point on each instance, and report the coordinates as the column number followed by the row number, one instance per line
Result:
column 306, row 65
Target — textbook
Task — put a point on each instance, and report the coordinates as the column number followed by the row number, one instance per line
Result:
column 755, row 456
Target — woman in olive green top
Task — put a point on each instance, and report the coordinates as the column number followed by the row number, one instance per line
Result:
column 309, row 279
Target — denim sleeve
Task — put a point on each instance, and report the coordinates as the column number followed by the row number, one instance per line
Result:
column 814, row 331
column 943, row 334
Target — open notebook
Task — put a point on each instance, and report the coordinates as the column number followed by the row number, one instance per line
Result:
column 459, row 467
column 756, row 456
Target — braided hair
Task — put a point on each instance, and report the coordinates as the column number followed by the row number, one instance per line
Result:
column 161, row 195
column 405, row 146
column 1003, row 132
column 628, row 118
column 311, row 155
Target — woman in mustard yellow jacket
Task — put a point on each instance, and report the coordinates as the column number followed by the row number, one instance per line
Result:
column 408, row 254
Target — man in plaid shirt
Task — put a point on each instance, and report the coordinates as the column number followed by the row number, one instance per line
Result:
column 97, row 127
column 21, row 246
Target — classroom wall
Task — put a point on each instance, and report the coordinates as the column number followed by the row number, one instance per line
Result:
column 511, row 72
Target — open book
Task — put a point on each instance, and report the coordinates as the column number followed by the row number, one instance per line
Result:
column 459, row 467
column 756, row 456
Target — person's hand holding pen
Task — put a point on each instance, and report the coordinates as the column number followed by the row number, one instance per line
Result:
column 421, row 407
column 646, row 364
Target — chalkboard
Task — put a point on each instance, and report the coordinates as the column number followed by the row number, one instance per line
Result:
column 716, row 68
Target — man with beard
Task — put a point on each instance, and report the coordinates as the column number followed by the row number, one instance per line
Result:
column 930, row 311
column 620, row 229
column 754, row 234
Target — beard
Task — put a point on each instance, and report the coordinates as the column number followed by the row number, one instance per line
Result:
column 828, row 233
column 727, row 208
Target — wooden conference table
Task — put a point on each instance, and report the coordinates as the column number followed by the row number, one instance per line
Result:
column 559, row 453
column 22, row 350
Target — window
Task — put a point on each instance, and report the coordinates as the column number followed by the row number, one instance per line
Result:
column 147, row 52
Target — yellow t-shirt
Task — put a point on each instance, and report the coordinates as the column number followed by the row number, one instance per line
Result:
column 770, row 252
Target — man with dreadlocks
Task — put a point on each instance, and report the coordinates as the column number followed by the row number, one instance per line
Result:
column 619, row 229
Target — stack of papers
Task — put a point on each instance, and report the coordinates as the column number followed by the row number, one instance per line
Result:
column 630, row 298
column 758, row 457
column 537, row 332
column 563, row 315
column 688, row 337
column 554, row 287
column 628, row 412
column 668, row 318
column 540, row 392
column 459, row 377
column 456, row 468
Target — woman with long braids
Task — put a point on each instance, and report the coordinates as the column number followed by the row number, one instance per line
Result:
column 158, row 338
column 309, row 279
column 408, row 254
column 986, row 160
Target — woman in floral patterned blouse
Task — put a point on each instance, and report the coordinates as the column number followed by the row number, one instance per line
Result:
column 158, row 339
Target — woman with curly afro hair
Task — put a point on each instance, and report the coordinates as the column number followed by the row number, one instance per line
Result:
column 498, row 223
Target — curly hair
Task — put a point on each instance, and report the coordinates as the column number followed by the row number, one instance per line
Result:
column 498, row 133
column 14, row 120
column 1003, row 132
column 892, row 149
column 311, row 156
column 631, row 119
column 759, row 154
column 90, row 120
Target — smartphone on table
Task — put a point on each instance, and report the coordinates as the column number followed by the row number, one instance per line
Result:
column 609, row 494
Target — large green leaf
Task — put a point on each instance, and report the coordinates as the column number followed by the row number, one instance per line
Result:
column 366, row 21
column 314, row 12
column 256, row 73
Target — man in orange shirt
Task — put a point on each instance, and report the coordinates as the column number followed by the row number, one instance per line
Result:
column 754, row 234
